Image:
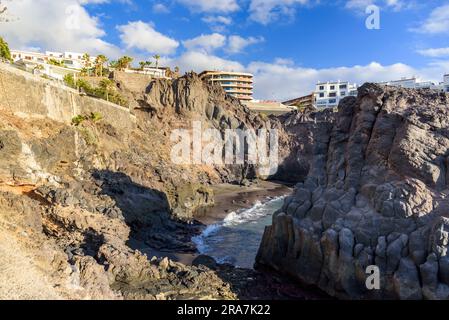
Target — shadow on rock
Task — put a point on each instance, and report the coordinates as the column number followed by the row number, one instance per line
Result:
column 146, row 211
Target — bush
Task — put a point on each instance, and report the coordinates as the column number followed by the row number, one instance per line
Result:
column 76, row 121
column 88, row 136
column 96, row 116
column 69, row 80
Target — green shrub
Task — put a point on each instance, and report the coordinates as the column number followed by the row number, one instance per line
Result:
column 76, row 121
column 96, row 116
column 88, row 136
column 69, row 80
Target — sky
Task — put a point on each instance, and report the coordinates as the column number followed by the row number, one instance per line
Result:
column 288, row 45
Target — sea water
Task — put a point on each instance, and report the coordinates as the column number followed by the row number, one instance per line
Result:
column 236, row 239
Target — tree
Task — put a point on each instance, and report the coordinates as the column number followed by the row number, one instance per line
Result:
column 55, row 62
column 86, row 60
column 107, row 85
column 99, row 64
column 157, row 58
column 113, row 64
column 142, row 64
column 124, row 62
column 87, row 63
column 5, row 53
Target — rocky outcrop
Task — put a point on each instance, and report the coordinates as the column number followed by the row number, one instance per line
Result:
column 79, row 203
column 375, row 193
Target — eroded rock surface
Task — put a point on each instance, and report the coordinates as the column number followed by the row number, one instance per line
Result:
column 375, row 193
column 76, row 202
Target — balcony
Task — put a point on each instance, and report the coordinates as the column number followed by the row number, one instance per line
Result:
column 233, row 79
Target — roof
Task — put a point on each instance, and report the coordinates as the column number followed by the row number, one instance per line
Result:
column 225, row 72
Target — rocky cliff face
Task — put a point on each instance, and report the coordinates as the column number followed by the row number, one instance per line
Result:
column 77, row 201
column 375, row 194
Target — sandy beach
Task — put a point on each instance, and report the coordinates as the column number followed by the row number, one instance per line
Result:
column 228, row 198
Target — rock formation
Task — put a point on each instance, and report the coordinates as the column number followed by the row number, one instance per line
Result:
column 374, row 193
column 77, row 202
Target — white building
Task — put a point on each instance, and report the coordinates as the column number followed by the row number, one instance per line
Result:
column 329, row 94
column 446, row 83
column 72, row 60
column 414, row 83
column 45, row 69
column 150, row 71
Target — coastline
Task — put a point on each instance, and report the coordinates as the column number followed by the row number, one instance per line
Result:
column 228, row 198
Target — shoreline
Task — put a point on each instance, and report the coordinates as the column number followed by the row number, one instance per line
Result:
column 228, row 198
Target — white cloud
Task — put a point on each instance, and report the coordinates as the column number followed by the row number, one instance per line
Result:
column 358, row 4
column 266, row 11
column 160, row 8
column 217, row 23
column 395, row 5
column 143, row 36
column 435, row 52
column 206, row 43
column 62, row 25
column 437, row 22
column 281, row 81
column 217, row 20
column 212, row 6
column 237, row 43
column 200, row 61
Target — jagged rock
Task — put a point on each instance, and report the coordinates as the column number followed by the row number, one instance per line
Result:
column 377, row 171
column 406, row 281
column 83, row 200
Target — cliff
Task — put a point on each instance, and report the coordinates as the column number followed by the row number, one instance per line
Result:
column 374, row 193
column 79, row 203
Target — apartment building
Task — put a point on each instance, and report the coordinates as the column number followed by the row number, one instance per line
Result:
column 329, row 94
column 236, row 84
column 415, row 83
column 72, row 60
column 306, row 102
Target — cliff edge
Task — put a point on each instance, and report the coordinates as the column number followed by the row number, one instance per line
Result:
column 374, row 193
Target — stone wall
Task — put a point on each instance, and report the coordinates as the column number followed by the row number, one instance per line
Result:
column 134, row 82
column 24, row 93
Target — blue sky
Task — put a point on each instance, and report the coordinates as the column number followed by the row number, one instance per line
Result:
column 287, row 44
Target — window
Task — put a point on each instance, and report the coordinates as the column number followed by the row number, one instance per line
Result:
column 321, row 87
column 332, row 87
column 332, row 101
column 343, row 94
column 343, row 86
column 322, row 95
column 332, row 94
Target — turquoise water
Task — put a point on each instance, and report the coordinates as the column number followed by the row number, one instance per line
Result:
column 236, row 239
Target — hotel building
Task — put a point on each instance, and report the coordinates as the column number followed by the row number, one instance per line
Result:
column 329, row 94
column 236, row 84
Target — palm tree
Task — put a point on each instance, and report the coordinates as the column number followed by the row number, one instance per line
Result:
column 99, row 63
column 5, row 53
column 107, row 85
column 157, row 58
column 86, row 61
column 124, row 62
column 142, row 64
